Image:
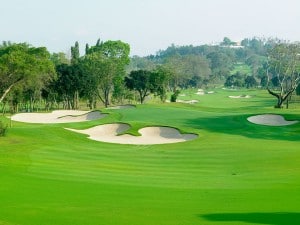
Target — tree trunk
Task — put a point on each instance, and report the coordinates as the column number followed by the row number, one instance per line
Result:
column 106, row 96
column 6, row 92
column 279, row 102
column 76, row 100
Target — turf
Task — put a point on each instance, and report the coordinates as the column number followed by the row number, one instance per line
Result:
column 234, row 173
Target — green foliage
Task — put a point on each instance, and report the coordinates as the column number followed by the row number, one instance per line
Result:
column 140, row 63
column 187, row 70
column 235, row 80
column 68, row 85
column 59, row 58
column 104, row 67
column 174, row 96
column 75, row 53
column 221, row 62
column 3, row 129
column 283, row 71
column 21, row 65
column 227, row 42
column 139, row 81
column 250, row 82
column 146, row 82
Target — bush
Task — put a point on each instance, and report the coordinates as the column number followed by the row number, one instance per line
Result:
column 3, row 129
column 174, row 96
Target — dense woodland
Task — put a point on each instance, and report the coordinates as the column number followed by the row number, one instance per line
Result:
column 32, row 79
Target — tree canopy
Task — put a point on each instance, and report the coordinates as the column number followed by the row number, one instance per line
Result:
column 20, row 63
column 284, row 71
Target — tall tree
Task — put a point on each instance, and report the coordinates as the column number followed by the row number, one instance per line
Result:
column 159, row 82
column 69, row 84
column 105, row 63
column 75, row 53
column 283, row 70
column 19, row 63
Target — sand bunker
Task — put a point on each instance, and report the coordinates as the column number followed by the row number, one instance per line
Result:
column 122, row 107
column 188, row 101
column 270, row 120
column 240, row 96
column 58, row 116
column 200, row 92
column 112, row 133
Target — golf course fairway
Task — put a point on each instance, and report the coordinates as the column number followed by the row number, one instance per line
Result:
column 234, row 173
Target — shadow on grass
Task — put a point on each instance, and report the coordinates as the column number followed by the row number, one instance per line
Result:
column 274, row 218
column 239, row 125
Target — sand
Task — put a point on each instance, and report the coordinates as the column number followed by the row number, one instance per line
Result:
column 200, row 92
column 122, row 107
column 58, row 116
column 270, row 120
column 112, row 133
column 188, row 101
column 239, row 96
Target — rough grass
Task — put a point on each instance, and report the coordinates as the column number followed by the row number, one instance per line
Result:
column 242, row 68
column 234, row 173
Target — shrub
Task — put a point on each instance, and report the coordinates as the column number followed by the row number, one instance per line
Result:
column 3, row 129
column 174, row 96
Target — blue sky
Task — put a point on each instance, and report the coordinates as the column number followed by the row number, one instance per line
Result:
column 147, row 25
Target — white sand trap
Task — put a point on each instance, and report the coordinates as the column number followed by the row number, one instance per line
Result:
column 122, row 107
column 239, row 96
column 149, row 135
column 188, row 101
column 270, row 120
column 58, row 116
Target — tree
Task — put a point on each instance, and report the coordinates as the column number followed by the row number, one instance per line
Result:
column 227, row 42
column 159, row 79
column 146, row 82
column 139, row 81
column 103, row 72
column 59, row 58
column 105, row 64
column 284, row 70
column 188, row 70
column 75, row 54
column 235, row 80
column 221, row 62
column 69, row 84
column 250, row 82
column 140, row 63
column 19, row 63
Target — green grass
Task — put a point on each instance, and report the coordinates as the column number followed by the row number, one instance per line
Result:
column 235, row 173
column 242, row 68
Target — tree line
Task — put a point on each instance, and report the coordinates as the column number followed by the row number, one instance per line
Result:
column 33, row 79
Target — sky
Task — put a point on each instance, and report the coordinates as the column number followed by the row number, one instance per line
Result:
column 146, row 25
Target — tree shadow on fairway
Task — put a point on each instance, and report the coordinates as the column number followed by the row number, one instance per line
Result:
column 274, row 218
column 239, row 125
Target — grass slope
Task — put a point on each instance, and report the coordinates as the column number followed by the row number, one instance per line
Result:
column 235, row 173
